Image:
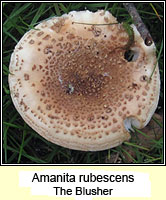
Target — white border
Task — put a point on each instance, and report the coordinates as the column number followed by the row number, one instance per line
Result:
column 81, row 164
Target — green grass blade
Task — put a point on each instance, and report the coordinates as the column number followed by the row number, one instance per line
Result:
column 22, row 145
column 130, row 156
column 38, row 14
column 97, row 5
column 63, row 8
column 17, row 12
column 14, row 126
column 32, row 158
column 156, row 12
column 57, row 10
column 161, row 48
column 76, row 6
column 10, row 35
column 157, row 121
column 137, row 146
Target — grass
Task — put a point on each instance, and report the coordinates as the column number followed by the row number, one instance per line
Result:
column 22, row 145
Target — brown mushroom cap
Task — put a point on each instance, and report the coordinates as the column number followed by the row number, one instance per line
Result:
column 72, row 84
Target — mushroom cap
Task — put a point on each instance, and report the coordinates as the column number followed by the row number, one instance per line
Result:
column 72, row 84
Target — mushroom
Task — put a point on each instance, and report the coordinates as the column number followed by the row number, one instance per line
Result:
column 70, row 81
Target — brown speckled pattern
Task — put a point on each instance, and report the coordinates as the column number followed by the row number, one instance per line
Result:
column 71, row 83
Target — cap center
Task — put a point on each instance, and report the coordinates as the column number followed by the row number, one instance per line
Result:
column 83, row 84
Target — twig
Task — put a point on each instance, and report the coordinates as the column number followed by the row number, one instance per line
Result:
column 93, row 24
column 139, row 23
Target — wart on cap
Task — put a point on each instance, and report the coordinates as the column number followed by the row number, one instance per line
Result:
column 73, row 85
